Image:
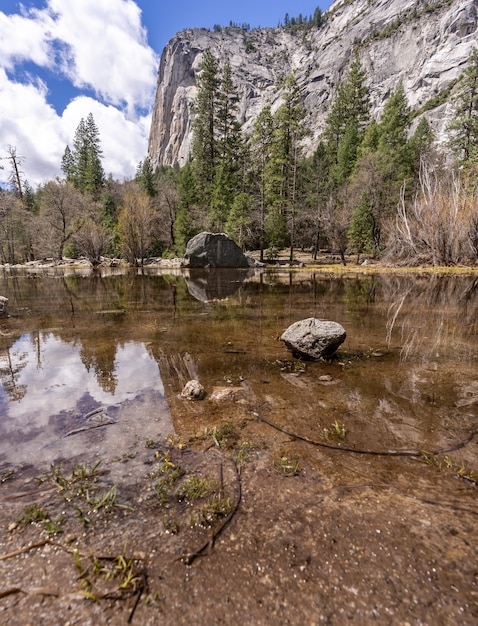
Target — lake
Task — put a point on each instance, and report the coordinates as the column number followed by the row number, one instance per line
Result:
column 406, row 376
column 313, row 492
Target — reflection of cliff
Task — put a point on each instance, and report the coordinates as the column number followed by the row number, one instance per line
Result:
column 215, row 284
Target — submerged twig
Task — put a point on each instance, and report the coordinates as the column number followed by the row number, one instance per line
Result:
column 330, row 446
column 190, row 557
column 32, row 546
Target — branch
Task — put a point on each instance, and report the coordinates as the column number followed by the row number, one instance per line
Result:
column 330, row 446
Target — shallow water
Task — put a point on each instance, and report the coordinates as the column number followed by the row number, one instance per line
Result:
column 92, row 367
column 120, row 345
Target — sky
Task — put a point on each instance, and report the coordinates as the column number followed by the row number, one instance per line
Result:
column 63, row 59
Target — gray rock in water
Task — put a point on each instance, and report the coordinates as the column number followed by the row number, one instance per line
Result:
column 193, row 390
column 214, row 250
column 3, row 306
column 313, row 338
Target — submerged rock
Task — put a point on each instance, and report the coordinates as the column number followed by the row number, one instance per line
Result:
column 313, row 338
column 193, row 390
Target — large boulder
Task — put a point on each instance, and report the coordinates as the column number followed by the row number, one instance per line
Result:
column 214, row 250
column 313, row 338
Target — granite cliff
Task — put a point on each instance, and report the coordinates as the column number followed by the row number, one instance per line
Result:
column 425, row 44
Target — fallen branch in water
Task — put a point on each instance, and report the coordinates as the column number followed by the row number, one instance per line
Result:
column 32, row 546
column 42, row 591
column 330, row 446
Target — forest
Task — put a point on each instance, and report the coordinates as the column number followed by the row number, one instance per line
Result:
column 375, row 187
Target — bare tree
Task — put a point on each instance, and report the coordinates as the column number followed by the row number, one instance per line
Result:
column 167, row 204
column 439, row 225
column 93, row 239
column 15, row 243
column 137, row 221
column 15, row 174
column 62, row 216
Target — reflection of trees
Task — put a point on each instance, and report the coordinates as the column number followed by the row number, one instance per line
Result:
column 98, row 354
column 10, row 372
column 430, row 312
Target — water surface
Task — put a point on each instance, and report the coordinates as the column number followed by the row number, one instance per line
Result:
column 89, row 361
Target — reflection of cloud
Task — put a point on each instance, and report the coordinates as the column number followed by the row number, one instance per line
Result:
column 58, row 380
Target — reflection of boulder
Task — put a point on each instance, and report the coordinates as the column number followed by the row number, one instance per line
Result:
column 313, row 338
column 214, row 250
column 215, row 284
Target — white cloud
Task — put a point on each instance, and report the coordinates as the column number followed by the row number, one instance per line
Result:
column 123, row 140
column 23, row 39
column 100, row 47
column 107, row 48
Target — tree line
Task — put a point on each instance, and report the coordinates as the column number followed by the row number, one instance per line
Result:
column 372, row 187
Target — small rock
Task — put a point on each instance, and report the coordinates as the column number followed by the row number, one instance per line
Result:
column 193, row 390
column 226, row 394
column 3, row 306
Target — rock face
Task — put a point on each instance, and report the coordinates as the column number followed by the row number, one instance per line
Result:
column 215, row 251
column 425, row 44
column 313, row 338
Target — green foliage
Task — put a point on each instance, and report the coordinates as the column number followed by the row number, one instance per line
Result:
column 361, row 230
column 464, row 127
column 239, row 218
column 145, row 177
column 82, row 164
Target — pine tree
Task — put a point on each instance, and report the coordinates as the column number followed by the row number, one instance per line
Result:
column 229, row 148
column 82, row 164
column 347, row 121
column 145, row 177
column 393, row 128
column 261, row 146
column 204, row 149
column 184, row 227
column 282, row 167
column 464, row 128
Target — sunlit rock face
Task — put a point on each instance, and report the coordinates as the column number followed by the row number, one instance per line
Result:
column 423, row 44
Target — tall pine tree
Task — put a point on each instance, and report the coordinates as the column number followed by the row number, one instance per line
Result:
column 464, row 128
column 82, row 164
column 204, row 149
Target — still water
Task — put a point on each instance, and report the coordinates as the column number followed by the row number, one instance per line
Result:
column 90, row 363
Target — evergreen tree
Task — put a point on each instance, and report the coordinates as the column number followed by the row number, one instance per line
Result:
column 283, row 164
column 346, row 122
column 385, row 166
column 239, row 218
column 393, row 131
column 464, row 128
column 82, row 164
column 361, row 230
column 204, row 149
column 228, row 149
column 261, row 146
column 68, row 164
column 184, row 227
column 145, row 177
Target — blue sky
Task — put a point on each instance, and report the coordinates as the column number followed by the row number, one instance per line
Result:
column 61, row 59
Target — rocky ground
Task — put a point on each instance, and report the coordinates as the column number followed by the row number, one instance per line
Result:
column 239, row 522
